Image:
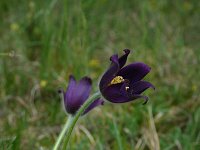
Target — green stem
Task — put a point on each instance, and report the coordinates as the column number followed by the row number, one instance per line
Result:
column 64, row 130
column 67, row 130
column 77, row 115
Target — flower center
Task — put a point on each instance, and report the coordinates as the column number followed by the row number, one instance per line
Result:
column 117, row 79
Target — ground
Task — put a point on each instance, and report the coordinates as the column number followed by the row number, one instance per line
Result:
column 43, row 42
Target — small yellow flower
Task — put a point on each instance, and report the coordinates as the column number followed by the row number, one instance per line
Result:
column 43, row 83
column 94, row 63
column 14, row 27
column 31, row 5
column 187, row 6
column 194, row 88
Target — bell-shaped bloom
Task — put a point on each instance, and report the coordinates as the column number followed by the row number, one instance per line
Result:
column 121, row 84
column 77, row 93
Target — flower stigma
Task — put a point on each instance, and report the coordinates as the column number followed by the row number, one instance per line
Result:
column 126, row 88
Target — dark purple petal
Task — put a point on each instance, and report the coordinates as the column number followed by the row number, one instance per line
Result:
column 123, row 89
column 123, row 58
column 116, row 93
column 134, row 72
column 76, row 94
column 70, row 89
column 110, row 73
column 140, row 86
column 84, row 88
column 96, row 103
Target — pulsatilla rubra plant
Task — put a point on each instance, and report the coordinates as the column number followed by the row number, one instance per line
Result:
column 119, row 84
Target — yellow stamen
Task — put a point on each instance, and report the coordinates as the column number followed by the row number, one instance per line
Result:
column 117, row 79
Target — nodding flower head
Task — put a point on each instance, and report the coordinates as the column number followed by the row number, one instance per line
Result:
column 121, row 84
column 77, row 93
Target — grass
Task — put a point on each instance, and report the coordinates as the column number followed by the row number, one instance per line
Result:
column 42, row 42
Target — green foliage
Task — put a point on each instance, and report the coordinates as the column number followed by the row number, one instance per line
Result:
column 42, row 42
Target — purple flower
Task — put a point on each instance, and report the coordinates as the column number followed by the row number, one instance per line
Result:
column 121, row 84
column 77, row 93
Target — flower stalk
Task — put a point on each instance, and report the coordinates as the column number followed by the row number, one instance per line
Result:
column 63, row 132
column 71, row 122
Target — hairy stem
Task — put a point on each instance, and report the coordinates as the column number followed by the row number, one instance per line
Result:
column 71, row 122
column 62, row 133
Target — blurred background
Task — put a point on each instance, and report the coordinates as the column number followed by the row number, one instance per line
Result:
column 42, row 42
